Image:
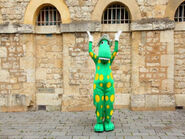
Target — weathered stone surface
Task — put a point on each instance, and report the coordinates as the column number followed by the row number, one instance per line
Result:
column 152, row 101
column 152, row 24
column 138, row 101
column 4, row 76
column 180, row 99
column 3, row 52
column 81, row 27
column 122, row 99
column 166, row 101
column 48, row 99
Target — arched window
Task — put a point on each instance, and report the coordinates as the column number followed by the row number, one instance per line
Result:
column 48, row 16
column 116, row 14
column 180, row 13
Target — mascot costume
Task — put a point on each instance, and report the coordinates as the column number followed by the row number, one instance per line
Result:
column 103, row 95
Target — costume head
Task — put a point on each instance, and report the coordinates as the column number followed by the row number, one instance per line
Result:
column 104, row 48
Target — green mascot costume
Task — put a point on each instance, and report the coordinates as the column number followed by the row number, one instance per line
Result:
column 104, row 91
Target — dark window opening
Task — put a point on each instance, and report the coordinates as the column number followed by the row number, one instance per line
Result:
column 116, row 14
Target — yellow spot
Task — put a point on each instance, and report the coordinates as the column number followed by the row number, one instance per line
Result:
column 98, row 67
column 101, row 77
column 95, row 56
column 111, row 75
column 108, row 106
column 97, row 98
column 112, row 98
column 107, row 117
column 108, row 77
column 101, row 106
column 109, row 67
column 98, row 114
column 111, row 57
column 111, row 112
column 91, row 54
column 99, row 61
column 102, row 98
column 106, row 98
column 96, row 78
column 101, row 118
column 109, row 61
column 114, row 54
column 94, row 86
column 101, row 84
column 108, row 85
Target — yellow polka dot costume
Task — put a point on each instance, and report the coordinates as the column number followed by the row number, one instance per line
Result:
column 104, row 91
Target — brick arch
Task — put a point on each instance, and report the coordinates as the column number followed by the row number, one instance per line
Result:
column 102, row 5
column 34, row 7
column 172, row 7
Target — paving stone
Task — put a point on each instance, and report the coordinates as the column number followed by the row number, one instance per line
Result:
column 115, row 137
column 168, row 137
column 68, row 125
column 150, row 137
column 97, row 137
column 80, row 137
column 132, row 137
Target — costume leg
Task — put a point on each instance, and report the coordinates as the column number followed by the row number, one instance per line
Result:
column 109, row 101
column 99, row 104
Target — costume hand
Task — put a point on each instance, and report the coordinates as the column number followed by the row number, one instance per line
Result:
column 117, row 35
column 90, row 36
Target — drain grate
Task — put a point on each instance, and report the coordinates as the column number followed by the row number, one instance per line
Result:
column 42, row 107
column 179, row 107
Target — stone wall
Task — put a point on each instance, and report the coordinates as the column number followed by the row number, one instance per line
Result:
column 180, row 67
column 15, row 79
column 80, row 10
column 50, row 68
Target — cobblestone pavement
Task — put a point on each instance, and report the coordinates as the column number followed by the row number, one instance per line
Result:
column 79, row 125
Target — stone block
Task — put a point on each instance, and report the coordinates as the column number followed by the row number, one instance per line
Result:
column 166, row 36
column 137, row 100
column 9, row 100
column 167, row 60
column 53, row 108
column 122, row 99
column 4, row 76
column 3, row 52
column 46, row 90
column 151, row 101
column 167, row 85
column 41, row 73
column 77, row 103
column 180, row 99
column 166, row 101
column 48, row 99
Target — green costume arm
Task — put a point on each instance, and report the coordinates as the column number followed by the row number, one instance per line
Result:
column 91, row 53
column 114, row 52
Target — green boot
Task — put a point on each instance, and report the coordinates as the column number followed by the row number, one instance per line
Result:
column 109, row 126
column 98, row 128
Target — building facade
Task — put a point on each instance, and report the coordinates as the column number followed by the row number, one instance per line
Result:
column 44, row 60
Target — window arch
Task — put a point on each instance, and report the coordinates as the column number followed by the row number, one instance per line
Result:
column 48, row 16
column 34, row 6
column 116, row 13
column 180, row 13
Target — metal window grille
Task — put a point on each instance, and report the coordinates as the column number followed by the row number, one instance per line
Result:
column 180, row 13
column 48, row 16
column 116, row 14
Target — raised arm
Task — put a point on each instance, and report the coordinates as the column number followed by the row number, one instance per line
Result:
column 91, row 53
column 117, row 35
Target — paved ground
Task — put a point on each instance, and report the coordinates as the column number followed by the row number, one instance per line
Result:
column 78, row 125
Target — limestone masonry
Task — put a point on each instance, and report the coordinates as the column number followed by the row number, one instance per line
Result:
column 48, row 67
